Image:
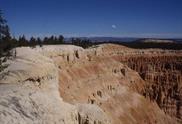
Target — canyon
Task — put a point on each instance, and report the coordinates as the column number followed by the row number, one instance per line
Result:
column 164, row 77
column 103, row 84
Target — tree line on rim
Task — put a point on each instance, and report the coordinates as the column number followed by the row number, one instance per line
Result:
column 7, row 42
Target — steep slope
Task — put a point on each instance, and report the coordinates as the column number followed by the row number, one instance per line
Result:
column 95, row 77
column 70, row 85
column 161, row 69
column 164, row 74
column 29, row 94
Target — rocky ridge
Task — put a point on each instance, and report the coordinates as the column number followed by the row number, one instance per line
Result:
column 162, row 72
column 29, row 94
column 72, row 85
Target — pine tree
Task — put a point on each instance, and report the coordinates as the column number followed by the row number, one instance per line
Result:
column 2, row 25
column 39, row 42
column 60, row 39
column 5, row 37
column 4, row 28
column 22, row 41
column 5, row 41
column 32, row 42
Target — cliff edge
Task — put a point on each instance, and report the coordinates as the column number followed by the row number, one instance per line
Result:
column 66, row 84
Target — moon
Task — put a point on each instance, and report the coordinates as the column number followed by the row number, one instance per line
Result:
column 113, row 26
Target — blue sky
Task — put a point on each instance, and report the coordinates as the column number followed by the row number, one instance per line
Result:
column 119, row 18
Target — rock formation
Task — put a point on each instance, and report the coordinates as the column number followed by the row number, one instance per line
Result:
column 70, row 85
column 164, row 74
column 162, row 71
column 30, row 95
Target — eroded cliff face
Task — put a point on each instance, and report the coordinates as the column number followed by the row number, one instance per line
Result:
column 30, row 95
column 97, row 76
column 164, row 74
column 70, row 85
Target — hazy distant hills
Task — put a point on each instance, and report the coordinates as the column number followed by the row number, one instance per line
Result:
column 126, row 39
column 155, row 41
column 105, row 39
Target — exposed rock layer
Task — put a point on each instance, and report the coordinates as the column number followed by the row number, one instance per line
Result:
column 164, row 74
column 30, row 95
column 95, row 85
column 100, row 78
column 162, row 71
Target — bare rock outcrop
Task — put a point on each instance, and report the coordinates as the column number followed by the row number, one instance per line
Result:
column 164, row 74
column 29, row 92
column 162, row 71
column 67, row 84
column 100, row 79
column 91, row 114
